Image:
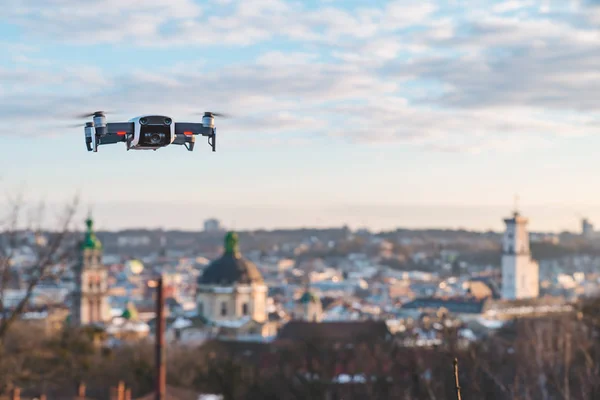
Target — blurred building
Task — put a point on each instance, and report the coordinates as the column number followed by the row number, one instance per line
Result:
column 212, row 225
column 587, row 228
column 90, row 298
column 520, row 273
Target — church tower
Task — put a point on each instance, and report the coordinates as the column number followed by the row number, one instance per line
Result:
column 309, row 307
column 520, row 273
column 90, row 300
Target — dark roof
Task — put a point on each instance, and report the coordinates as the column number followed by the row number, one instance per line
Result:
column 231, row 268
column 327, row 301
column 349, row 331
column 466, row 306
column 234, row 348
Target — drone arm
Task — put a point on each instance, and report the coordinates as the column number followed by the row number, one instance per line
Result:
column 116, row 132
column 192, row 128
column 185, row 132
column 111, row 138
column 119, row 128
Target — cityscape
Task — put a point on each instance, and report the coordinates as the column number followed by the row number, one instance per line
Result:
column 264, row 288
column 299, row 200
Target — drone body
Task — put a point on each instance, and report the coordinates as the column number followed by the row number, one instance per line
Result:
column 148, row 132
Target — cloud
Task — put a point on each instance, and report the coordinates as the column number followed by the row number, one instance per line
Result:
column 97, row 20
column 183, row 22
column 443, row 79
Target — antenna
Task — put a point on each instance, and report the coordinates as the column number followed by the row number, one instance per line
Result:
column 90, row 210
column 516, row 204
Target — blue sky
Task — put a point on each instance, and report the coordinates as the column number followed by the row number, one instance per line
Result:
column 379, row 113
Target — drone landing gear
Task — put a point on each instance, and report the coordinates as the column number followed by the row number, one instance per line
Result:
column 190, row 141
column 212, row 140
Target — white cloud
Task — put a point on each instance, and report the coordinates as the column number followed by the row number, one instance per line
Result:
column 510, row 5
column 183, row 22
column 97, row 20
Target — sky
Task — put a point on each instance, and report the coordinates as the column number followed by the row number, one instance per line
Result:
column 368, row 113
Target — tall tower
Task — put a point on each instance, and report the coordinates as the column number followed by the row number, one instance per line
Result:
column 587, row 229
column 520, row 273
column 162, row 253
column 90, row 300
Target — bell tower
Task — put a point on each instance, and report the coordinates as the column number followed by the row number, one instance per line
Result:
column 90, row 300
column 520, row 273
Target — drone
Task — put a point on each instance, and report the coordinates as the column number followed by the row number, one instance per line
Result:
column 148, row 132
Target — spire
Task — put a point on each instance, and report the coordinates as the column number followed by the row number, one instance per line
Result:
column 231, row 244
column 516, row 205
column 91, row 241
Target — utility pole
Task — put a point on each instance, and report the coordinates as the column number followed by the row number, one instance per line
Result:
column 161, row 370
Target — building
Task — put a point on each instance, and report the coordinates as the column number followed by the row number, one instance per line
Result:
column 212, row 225
column 232, row 295
column 587, row 228
column 90, row 298
column 520, row 273
column 308, row 307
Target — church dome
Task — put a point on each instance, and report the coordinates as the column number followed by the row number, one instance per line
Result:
column 231, row 268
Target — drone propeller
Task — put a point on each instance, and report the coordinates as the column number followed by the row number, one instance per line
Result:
column 89, row 115
column 214, row 114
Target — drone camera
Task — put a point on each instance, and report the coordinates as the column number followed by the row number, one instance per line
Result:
column 143, row 121
column 154, row 138
column 168, row 121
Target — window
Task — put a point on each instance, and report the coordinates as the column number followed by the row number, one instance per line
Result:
column 201, row 308
column 223, row 308
column 245, row 309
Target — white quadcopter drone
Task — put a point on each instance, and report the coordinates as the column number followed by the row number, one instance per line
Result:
column 148, row 132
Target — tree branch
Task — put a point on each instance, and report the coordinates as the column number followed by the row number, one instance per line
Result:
column 46, row 257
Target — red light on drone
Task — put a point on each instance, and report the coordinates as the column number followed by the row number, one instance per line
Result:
column 121, row 133
column 188, row 133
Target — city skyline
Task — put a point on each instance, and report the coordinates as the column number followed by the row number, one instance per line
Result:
column 377, row 217
column 340, row 110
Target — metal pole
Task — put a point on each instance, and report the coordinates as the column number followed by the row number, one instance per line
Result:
column 456, row 380
column 161, row 376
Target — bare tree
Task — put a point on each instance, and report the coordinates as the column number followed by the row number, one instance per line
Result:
column 50, row 257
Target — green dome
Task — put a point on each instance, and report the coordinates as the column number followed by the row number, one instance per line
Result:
column 309, row 297
column 91, row 241
column 130, row 313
